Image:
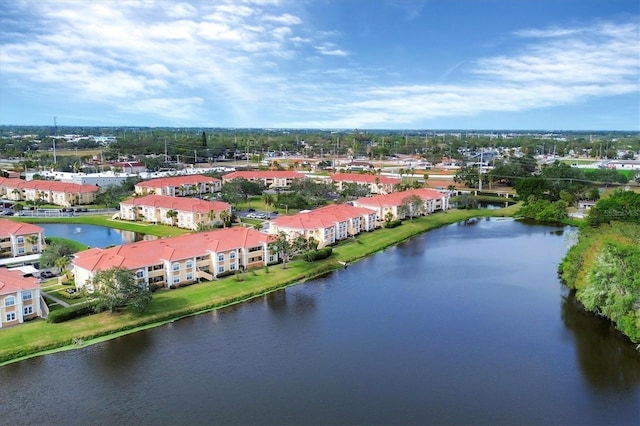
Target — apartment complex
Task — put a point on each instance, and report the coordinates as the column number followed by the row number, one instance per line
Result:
column 375, row 183
column 19, row 298
column 181, row 260
column 327, row 224
column 188, row 213
column 179, row 186
column 20, row 239
column 269, row 178
column 391, row 203
column 63, row 194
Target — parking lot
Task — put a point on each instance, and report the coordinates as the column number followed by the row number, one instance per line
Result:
column 253, row 214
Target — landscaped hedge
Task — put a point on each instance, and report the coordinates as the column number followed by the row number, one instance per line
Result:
column 393, row 224
column 71, row 312
column 323, row 253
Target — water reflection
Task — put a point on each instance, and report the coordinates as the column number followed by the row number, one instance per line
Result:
column 604, row 355
column 93, row 235
column 282, row 302
column 119, row 355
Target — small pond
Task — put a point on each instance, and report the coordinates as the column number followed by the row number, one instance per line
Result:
column 92, row 235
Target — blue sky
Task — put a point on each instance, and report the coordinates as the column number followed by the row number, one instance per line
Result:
column 338, row 64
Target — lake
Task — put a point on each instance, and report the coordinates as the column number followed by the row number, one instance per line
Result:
column 467, row 324
column 92, row 235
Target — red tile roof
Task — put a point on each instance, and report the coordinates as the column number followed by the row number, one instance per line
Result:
column 176, row 181
column 263, row 174
column 323, row 217
column 145, row 253
column 364, row 178
column 12, row 281
column 9, row 227
column 178, row 203
column 48, row 185
column 395, row 198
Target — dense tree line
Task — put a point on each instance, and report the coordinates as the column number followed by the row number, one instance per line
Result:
column 603, row 268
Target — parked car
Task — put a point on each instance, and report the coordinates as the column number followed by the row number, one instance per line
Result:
column 46, row 274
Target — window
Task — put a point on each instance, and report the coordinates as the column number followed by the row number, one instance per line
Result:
column 26, row 295
column 139, row 273
column 232, row 266
column 176, row 266
column 220, row 269
column 9, row 301
column 270, row 259
column 221, row 257
column 28, row 310
column 21, row 250
column 189, row 277
column 176, row 280
column 20, row 240
column 189, row 264
column 232, row 255
column 34, row 249
column 11, row 316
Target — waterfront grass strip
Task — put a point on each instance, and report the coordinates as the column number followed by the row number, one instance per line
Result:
column 38, row 336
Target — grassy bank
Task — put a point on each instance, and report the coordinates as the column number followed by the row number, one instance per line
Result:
column 143, row 228
column 38, row 337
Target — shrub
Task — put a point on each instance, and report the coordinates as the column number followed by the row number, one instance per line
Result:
column 393, row 224
column 312, row 256
column 75, row 311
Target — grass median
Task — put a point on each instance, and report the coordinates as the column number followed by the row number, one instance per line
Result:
column 39, row 337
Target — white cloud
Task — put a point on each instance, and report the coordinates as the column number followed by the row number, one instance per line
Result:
column 253, row 60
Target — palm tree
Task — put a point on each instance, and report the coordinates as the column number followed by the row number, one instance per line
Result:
column 62, row 263
column 268, row 201
column 173, row 215
column 136, row 212
column 16, row 194
column 225, row 217
column 33, row 240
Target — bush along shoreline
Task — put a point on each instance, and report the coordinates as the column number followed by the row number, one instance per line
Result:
column 603, row 267
column 39, row 337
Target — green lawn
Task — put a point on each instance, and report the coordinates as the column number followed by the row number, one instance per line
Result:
column 167, row 305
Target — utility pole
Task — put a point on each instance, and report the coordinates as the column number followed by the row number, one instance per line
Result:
column 166, row 157
column 55, row 125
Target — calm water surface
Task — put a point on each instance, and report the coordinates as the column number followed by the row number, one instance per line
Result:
column 91, row 235
column 467, row 324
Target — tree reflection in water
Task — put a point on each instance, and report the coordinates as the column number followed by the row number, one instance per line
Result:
column 607, row 358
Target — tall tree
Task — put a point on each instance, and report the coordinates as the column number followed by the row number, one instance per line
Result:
column 117, row 288
column 204, row 139
column 412, row 206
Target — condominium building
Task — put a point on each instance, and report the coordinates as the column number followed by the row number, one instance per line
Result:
column 327, row 224
column 268, row 178
column 181, row 260
column 179, row 186
column 189, row 213
column 19, row 298
column 20, row 239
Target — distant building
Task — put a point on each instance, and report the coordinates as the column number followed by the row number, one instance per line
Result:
column 391, row 203
column 268, row 178
column 376, row 184
column 327, row 224
column 176, row 186
column 189, row 213
column 47, row 191
column 131, row 167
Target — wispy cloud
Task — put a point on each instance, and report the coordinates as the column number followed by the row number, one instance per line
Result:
column 257, row 63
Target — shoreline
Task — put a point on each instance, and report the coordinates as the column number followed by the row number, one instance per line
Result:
column 38, row 337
